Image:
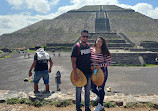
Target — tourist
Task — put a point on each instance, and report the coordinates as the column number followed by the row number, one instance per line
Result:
column 100, row 57
column 58, row 80
column 25, row 53
column 40, row 66
column 81, row 59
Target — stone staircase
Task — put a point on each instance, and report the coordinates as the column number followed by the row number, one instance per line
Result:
column 102, row 22
column 114, row 40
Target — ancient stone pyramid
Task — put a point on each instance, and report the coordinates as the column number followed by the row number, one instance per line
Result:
column 123, row 28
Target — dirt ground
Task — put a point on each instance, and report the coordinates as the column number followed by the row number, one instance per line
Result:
column 23, row 107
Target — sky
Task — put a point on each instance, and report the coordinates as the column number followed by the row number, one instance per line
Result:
column 17, row 14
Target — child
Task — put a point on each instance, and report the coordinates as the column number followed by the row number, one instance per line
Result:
column 58, row 80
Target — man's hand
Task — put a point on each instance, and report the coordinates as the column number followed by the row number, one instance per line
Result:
column 76, row 77
column 50, row 70
column 30, row 73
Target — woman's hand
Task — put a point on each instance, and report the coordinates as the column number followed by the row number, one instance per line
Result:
column 98, row 67
column 92, row 68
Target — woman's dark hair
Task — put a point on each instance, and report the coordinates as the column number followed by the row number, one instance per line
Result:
column 104, row 47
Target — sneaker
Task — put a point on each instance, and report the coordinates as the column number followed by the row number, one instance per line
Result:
column 36, row 92
column 96, row 98
column 87, row 109
column 58, row 89
column 99, row 107
column 46, row 92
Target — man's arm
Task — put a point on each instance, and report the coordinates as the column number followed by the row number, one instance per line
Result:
column 31, row 68
column 73, row 59
column 51, row 64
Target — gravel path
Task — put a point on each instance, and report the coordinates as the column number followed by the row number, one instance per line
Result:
column 127, row 80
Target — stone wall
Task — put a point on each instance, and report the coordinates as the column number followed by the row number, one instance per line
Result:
column 133, row 58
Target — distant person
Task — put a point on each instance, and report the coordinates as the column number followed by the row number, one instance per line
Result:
column 18, row 51
column 40, row 66
column 28, row 54
column 100, row 57
column 59, row 54
column 54, row 53
column 58, row 80
column 156, row 60
column 81, row 59
column 25, row 53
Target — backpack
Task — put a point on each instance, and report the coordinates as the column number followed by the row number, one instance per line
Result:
column 42, row 55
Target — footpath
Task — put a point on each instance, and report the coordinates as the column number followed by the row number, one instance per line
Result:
column 121, row 100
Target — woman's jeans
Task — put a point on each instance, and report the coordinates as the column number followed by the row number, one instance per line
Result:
column 99, row 90
column 87, row 88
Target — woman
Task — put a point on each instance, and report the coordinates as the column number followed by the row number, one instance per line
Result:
column 100, row 57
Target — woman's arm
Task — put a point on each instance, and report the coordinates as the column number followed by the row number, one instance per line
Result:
column 107, row 61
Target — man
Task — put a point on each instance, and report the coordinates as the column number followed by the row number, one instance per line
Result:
column 81, row 59
column 40, row 66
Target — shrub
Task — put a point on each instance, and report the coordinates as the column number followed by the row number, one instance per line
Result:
column 109, row 104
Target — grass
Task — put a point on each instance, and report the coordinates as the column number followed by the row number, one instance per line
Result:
column 65, row 103
column 59, row 48
column 145, row 65
column 106, row 104
column 39, row 103
column 7, row 56
column 134, row 104
column 150, row 65
column 109, row 104
column 137, row 104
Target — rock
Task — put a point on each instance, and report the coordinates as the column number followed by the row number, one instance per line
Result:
column 119, row 103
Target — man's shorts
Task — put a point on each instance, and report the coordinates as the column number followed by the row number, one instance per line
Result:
column 41, row 74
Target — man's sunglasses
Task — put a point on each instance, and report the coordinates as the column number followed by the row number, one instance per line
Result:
column 85, row 36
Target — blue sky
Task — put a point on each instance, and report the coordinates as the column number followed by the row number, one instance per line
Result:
column 17, row 14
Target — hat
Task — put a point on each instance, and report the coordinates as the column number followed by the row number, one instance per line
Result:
column 82, row 81
column 98, row 77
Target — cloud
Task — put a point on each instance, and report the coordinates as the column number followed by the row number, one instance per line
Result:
column 143, row 8
column 146, row 9
column 94, row 2
column 16, row 3
column 11, row 23
column 54, row 2
column 42, row 6
column 80, row 3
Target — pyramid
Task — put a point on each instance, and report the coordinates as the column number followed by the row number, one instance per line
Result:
column 124, row 29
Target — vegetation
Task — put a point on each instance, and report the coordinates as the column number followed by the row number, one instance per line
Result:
column 109, row 104
column 59, row 48
column 106, row 104
column 136, row 104
column 144, row 65
column 39, row 103
column 65, row 103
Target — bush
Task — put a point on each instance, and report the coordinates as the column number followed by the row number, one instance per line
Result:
column 64, row 103
column 109, row 104
column 151, row 105
column 12, row 101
